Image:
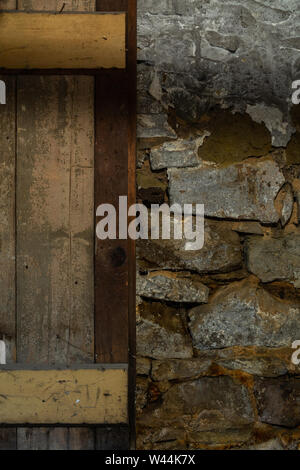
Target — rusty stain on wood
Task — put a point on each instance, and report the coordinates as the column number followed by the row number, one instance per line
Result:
column 63, row 396
column 62, row 41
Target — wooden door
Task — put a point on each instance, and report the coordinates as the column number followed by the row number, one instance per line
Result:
column 67, row 144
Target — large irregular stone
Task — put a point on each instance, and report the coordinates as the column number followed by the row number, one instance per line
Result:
column 278, row 258
column 244, row 314
column 241, row 191
column 178, row 154
column 172, row 287
column 205, row 404
column 221, row 251
column 177, row 369
column 262, row 362
column 278, row 401
column 161, row 333
column 153, row 129
column 223, row 52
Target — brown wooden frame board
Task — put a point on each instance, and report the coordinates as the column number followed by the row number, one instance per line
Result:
column 71, row 40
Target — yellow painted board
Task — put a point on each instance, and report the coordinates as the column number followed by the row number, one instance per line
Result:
column 88, row 396
column 62, row 41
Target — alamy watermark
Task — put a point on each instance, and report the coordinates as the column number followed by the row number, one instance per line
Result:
column 296, row 93
column 161, row 222
column 2, row 92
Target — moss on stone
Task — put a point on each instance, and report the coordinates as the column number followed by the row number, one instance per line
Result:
column 234, row 137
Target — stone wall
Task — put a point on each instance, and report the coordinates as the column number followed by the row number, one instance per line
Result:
column 216, row 126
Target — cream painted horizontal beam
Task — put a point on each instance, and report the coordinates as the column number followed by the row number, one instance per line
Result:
column 87, row 396
column 62, row 41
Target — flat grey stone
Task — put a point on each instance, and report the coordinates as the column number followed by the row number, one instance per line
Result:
column 244, row 314
column 241, row 191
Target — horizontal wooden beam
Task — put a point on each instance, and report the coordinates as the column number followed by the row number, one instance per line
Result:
column 62, row 41
column 86, row 396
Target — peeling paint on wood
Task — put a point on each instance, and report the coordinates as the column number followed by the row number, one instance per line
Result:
column 65, row 41
column 63, row 396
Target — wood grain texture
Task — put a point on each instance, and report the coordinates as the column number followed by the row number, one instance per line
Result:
column 65, row 41
column 111, row 181
column 8, row 5
column 7, row 219
column 8, row 439
column 55, row 220
column 112, row 438
column 56, row 5
column 132, row 97
column 65, row 438
column 88, row 396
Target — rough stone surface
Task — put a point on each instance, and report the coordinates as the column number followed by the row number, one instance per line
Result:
column 220, row 71
column 172, row 287
column 243, row 314
column 161, row 333
column 279, row 401
column 272, row 258
column 179, row 369
column 152, row 129
column 221, row 252
column 235, row 53
column 241, row 191
column 248, row 227
column 178, row 154
column 206, row 404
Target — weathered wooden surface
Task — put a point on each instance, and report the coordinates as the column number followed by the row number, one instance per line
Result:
column 88, row 396
column 7, row 219
column 55, row 220
column 112, row 438
column 111, row 258
column 64, row 41
column 8, row 439
column 56, row 5
column 8, row 4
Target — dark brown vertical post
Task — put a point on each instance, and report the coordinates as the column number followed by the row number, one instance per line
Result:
column 114, row 177
column 115, row 160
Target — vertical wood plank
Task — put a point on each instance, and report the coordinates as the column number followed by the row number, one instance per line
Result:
column 8, row 439
column 56, row 438
column 111, row 181
column 33, row 438
column 132, row 73
column 8, row 4
column 7, row 219
column 55, row 229
column 54, row 300
column 81, row 439
column 112, row 438
column 56, row 5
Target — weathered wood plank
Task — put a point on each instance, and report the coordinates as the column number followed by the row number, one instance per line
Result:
column 7, row 219
column 55, row 141
column 56, row 5
column 8, row 439
column 112, row 438
column 56, row 438
column 81, row 439
column 65, row 41
column 88, row 396
column 8, row 5
column 111, row 181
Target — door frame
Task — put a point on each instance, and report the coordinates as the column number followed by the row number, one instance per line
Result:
column 115, row 102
